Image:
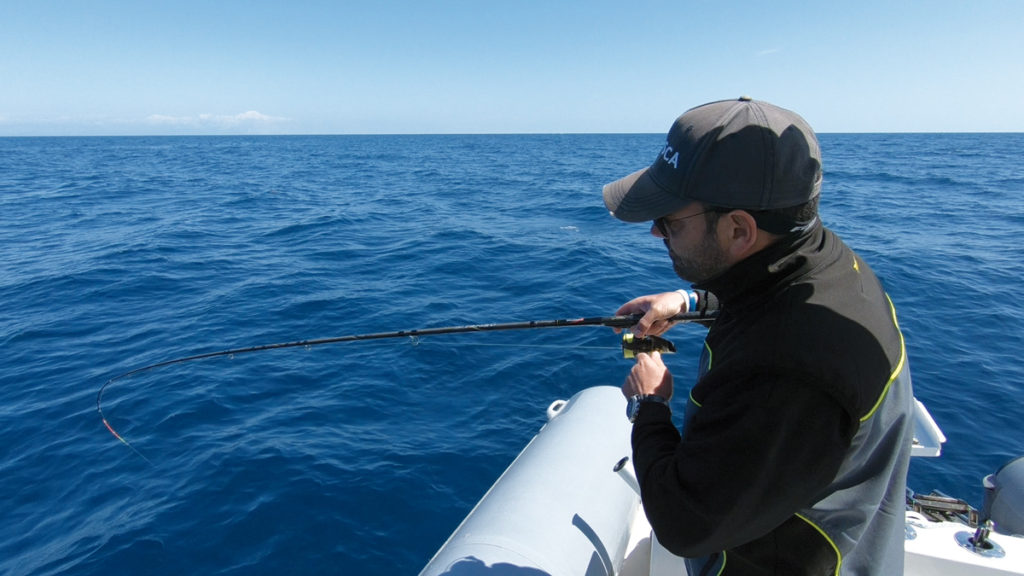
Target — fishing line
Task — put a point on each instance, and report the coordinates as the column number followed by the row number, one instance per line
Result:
column 705, row 314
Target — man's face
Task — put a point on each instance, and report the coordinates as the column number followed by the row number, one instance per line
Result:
column 692, row 245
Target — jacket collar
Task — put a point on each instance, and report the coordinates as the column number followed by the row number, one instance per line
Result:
column 765, row 273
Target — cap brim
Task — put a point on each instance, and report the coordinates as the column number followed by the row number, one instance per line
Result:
column 638, row 198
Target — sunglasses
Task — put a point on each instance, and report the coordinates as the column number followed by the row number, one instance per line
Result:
column 665, row 225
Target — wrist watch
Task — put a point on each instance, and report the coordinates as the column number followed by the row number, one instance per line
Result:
column 633, row 407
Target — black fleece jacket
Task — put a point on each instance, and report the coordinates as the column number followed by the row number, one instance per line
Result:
column 803, row 347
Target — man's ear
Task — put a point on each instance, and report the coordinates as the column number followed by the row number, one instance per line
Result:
column 739, row 234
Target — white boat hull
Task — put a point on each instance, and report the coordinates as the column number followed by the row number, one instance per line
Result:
column 559, row 508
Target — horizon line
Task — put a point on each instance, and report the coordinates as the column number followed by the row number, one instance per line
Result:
column 343, row 134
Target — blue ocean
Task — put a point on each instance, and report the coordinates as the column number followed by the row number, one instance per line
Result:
column 362, row 457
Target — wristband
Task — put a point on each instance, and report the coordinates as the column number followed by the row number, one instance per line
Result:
column 689, row 298
column 686, row 299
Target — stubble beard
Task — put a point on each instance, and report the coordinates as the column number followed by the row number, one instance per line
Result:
column 704, row 263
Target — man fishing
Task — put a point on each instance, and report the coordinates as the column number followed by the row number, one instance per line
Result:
column 796, row 436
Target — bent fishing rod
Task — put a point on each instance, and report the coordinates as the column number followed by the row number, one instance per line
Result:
column 705, row 311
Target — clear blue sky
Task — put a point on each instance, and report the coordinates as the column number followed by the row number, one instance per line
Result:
column 379, row 66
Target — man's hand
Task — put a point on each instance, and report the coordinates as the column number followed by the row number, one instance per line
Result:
column 655, row 308
column 648, row 376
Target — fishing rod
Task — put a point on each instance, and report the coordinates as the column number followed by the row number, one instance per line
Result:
column 630, row 345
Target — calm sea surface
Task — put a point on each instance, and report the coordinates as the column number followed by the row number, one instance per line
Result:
column 361, row 458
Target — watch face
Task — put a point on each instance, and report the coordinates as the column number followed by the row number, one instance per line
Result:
column 632, row 407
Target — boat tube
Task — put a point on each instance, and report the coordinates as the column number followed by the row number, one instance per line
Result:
column 561, row 507
column 1004, row 498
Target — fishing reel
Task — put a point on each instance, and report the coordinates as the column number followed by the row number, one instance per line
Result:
column 633, row 345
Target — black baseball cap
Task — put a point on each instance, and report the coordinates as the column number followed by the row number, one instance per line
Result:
column 739, row 154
